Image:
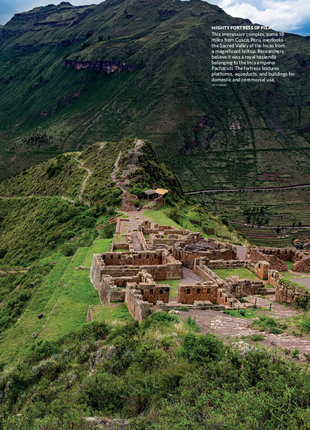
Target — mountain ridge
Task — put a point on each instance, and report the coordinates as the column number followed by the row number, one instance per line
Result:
column 143, row 68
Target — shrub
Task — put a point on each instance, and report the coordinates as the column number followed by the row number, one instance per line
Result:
column 191, row 324
column 257, row 337
column 202, row 349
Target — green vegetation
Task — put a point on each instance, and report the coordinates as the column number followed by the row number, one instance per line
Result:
column 242, row 273
column 173, row 284
column 257, row 337
column 99, row 246
column 129, row 371
column 242, row 313
column 263, row 323
column 111, row 314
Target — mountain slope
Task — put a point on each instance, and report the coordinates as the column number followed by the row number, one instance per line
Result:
column 74, row 75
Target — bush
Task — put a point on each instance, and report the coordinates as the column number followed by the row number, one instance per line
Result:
column 174, row 214
column 202, row 349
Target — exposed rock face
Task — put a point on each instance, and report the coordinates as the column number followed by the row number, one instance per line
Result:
column 101, row 356
column 106, row 423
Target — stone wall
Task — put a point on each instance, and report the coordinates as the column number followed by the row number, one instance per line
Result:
column 142, row 241
column 216, row 251
column 160, row 264
column 255, row 255
column 202, row 270
column 261, row 269
column 286, row 295
column 189, row 293
column 230, row 264
column 159, row 239
column 151, row 293
column 138, row 308
column 300, row 258
column 273, row 278
column 95, row 270
column 123, row 241
column 243, row 287
column 302, row 265
column 226, row 299
column 89, row 314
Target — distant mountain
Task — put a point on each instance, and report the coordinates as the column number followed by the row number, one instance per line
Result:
column 71, row 76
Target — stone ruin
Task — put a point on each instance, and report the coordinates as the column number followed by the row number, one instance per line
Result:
column 195, row 246
column 130, row 276
column 276, row 257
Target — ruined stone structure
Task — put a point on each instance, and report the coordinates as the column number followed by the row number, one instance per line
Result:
column 243, row 287
column 123, row 241
column 261, row 269
column 138, row 308
column 276, row 257
column 165, row 239
column 160, row 264
column 131, row 276
column 273, row 278
column 285, row 294
column 256, row 254
column 195, row 246
column 233, row 285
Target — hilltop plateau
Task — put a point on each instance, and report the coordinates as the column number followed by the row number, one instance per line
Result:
column 68, row 362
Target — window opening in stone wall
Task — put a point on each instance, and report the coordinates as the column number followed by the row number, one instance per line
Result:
column 151, row 291
column 198, row 290
column 161, row 291
column 208, row 290
column 188, row 291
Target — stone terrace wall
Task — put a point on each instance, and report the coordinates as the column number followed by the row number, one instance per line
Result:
column 275, row 263
column 138, row 308
column 95, row 270
column 286, row 295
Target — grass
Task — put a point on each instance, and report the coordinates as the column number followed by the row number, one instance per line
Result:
column 76, row 261
column 242, row 273
column 71, row 310
column 242, row 313
column 173, row 283
column 160, row 217
column 18, row 339
column 289, row 264
column 111, row 313
column 99, row 246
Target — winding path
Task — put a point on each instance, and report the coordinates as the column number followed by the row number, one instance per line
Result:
column 85, row 180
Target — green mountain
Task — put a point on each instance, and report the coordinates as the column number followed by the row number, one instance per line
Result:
column 71, row 76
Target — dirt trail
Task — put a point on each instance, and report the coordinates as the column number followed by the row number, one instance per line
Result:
column 85, row 180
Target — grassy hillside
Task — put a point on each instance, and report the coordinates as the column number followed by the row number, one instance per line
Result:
column 74, row 75
column 180, row 380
